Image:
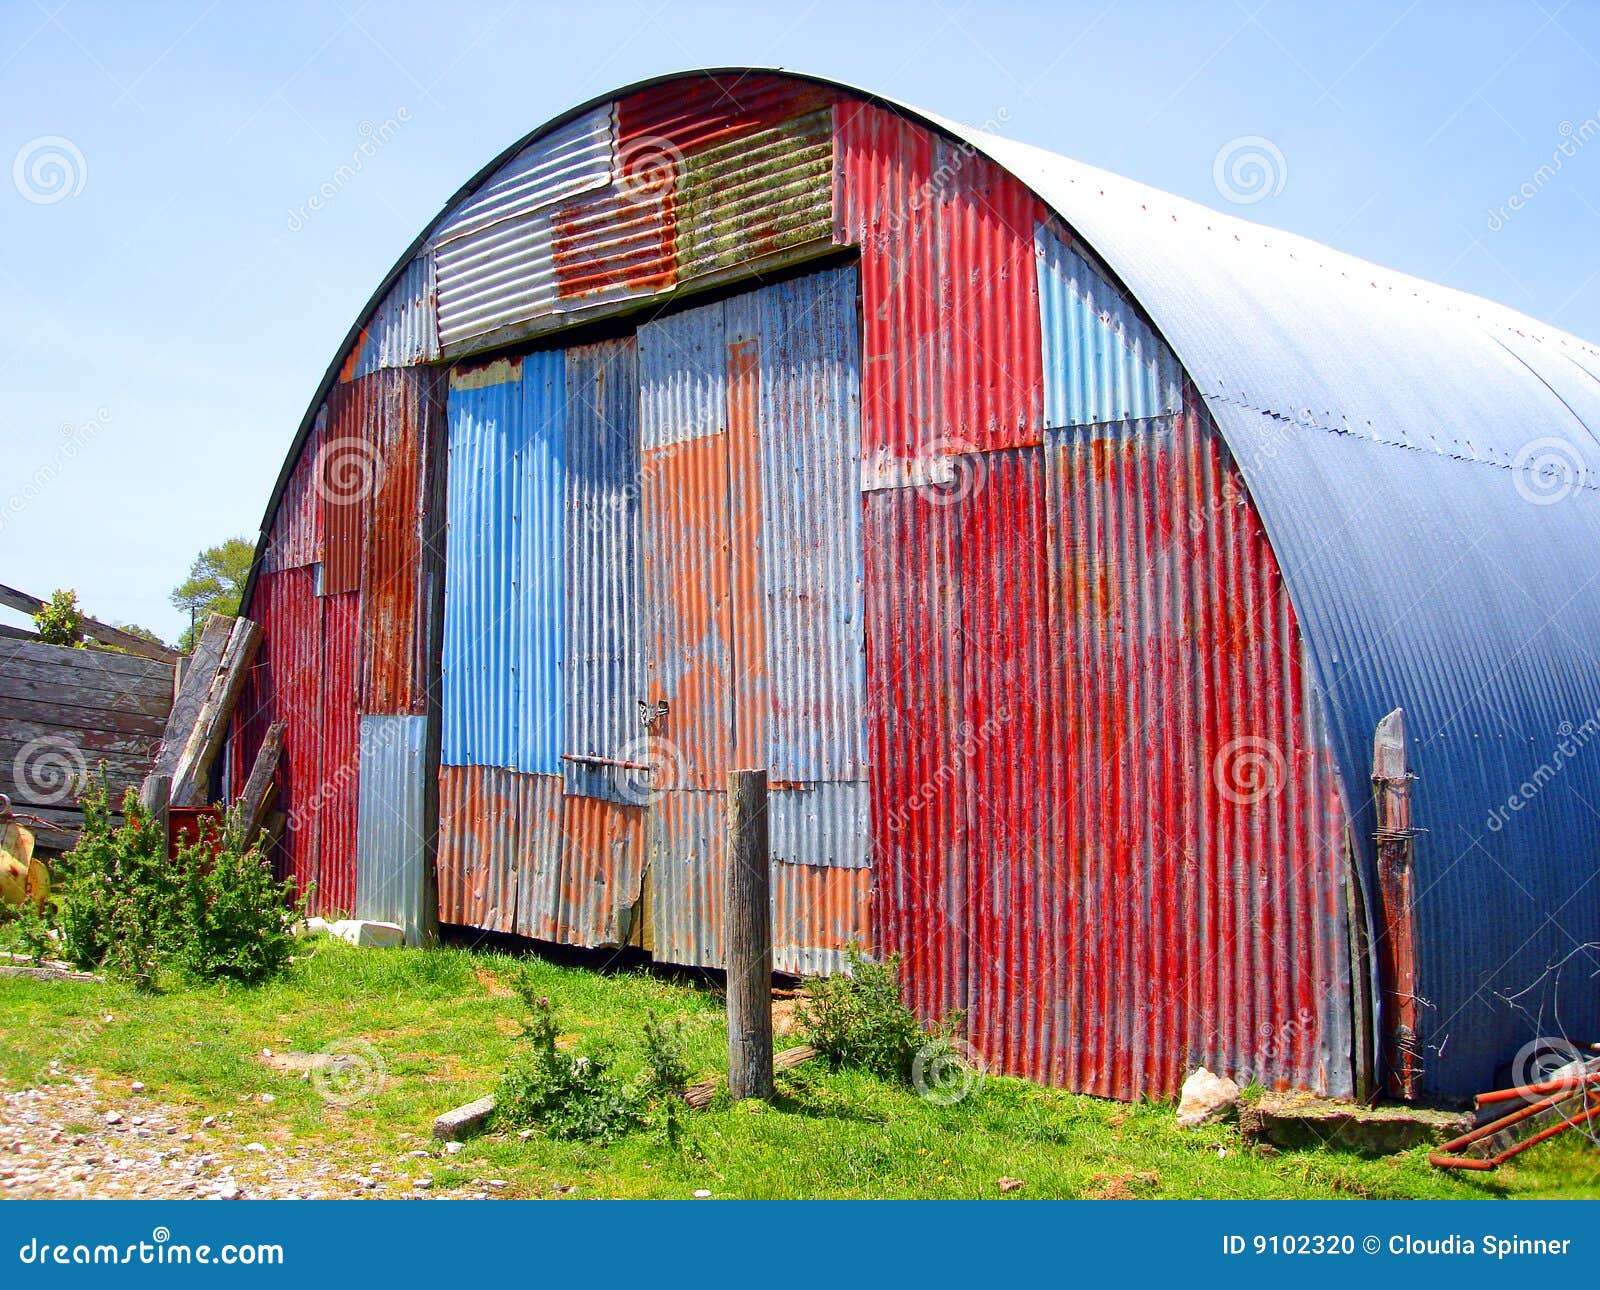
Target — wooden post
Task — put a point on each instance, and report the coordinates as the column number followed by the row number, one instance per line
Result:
column 748, row 928
column 252, row 801
column 1397, row 959
column 155, row 796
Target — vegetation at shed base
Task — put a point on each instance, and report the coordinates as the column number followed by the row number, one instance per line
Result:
column 60, row 620
column 215, row 913
column 215, row 585
column 860, row 1020
column 440, row 1021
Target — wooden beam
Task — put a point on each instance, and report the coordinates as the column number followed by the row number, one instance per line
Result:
column 1397, row 960
column 252, row 802
column 748, row 924
column 198, row 675
column 93, row 628
column 193, row 770
column 155, row 798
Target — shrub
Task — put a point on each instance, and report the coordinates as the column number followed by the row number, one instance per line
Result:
column 237, row 918
column 860, row 1020
column 666, row 1075
column 59, row 620
column 567, row 1096
column 215, row 913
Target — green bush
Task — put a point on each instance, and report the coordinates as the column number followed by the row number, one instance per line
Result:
column 568, row 1096
column 213, row 914
column 59, row 620
column 860, row 1020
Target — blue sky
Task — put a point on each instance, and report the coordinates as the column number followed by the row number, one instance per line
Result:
column 165, row 319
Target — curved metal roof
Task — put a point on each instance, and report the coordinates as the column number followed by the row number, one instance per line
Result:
column 1427, row 467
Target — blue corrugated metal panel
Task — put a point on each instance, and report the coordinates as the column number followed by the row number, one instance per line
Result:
column 403, row 331
column 504, row 562
column 391, row 839
column 1102, row 361
column 811, row 534
column 605, row 594
column 1412, row 462
column 683, row 373
column 823, row 825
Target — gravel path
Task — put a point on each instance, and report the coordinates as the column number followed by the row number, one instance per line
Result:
column 76, row 1138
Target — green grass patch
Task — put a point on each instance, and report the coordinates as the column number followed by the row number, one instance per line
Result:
column 433, row 1029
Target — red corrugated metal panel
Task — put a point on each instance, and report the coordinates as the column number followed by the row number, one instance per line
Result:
column 480, row 842
column 818, row 914
column 297, row 526
column 404, row 416
column 341, row 754
column 694, row 111
column 616, row 242
column 1076, row 666
column 950, row 326
column 688, row 628
column 286, row 686
column 602, row 867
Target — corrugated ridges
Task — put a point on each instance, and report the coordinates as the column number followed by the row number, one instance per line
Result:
column 602, row 870
column 296, row 537
column 687, row 843
column 482, row 836
column 818, row 916
column 1102, row 361
column 403, row 330
column 683, row 376
column 615, row 244
column 704, row 110
column 391, row 838
column 340, row 762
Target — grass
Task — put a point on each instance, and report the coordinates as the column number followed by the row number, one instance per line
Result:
column 442, row 1023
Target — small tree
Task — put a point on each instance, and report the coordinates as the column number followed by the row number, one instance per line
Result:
column 59, row 620
column 215, row 585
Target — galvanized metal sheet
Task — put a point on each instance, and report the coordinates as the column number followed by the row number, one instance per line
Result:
column 950, row 327
column 747, row 617
column 504, row 594
column 1102, row 360
column 604, row 672
column 756, row 196
column 822, row 825
column 818, row 916
column 573, row 158
column 810, row 435
column 537, row 856
column 683, row 390
column 391, row 829
column 687, row 841
column 403, row 330
column 493, row 278
column 602, row 872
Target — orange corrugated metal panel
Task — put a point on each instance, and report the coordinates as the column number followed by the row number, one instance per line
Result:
column 747, row 617
column 617, row 242
column 950, row 325
column 480, row 840
column 346, row 473
column 404, row 419
column 340, row 778
column 688, row 627
column 602, row 868
column 818, row 914
column 694, row 111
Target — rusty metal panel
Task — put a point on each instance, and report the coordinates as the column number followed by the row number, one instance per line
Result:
column 391, row 827
column 810, row 483
column 296, row 537
column 752, row 698
column 504, row 565
column 403, row 416
column 756, row 196
column 687, row 832
column 602, row 872
column 604, row 673
column 615, row 244
column 339, row 681
column 480, row 840
column 683, row 391
column 1102, row 360
column 403, row 330
column 345, row 474
column 536, row 856
column 688, row 628
column 950, row 323
column 822, row 825
column 818, row 915
column 700, row 110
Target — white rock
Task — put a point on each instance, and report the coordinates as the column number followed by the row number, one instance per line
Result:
column 255, row 1146
column 368, row 935
column 1205, row 1097
column 113, row 1117
column 422, row 1184
column 267, row 1097
column 450, row 1148
column 136, row 1087
column 701, row 1194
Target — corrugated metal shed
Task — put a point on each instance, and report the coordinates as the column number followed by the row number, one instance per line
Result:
column 403, row 331
column 391, row 829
